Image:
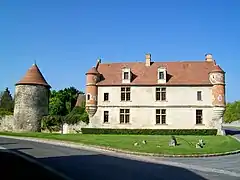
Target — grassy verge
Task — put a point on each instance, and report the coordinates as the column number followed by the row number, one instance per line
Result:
column 155, row 143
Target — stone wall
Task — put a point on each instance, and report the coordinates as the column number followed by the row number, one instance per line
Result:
column 233, row 124
column 6, row 123
column 75, row 128
column 31, row 104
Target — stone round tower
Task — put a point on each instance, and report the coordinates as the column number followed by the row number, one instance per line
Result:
column 31, row 101
column 91, row 91
column 217, row 78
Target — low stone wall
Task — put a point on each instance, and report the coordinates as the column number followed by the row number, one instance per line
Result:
column 6, row 123
column 233, row 124
column 75, row 128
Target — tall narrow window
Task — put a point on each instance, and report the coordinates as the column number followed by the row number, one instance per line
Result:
column 126, row 75
column 161, row 75
column 88, row 97
column 160, row 116
column 199, row 95
column 124, row 116
column 105, row 116
column 106, row 96
column 160, row 94
column 199, row 116
column 125, row 93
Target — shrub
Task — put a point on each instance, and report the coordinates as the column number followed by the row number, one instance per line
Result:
column 150, row 131
column 51, row 123
column 76, row 115
column 4, row 112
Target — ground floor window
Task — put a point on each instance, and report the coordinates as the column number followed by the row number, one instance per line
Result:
column 199, row 116
column 160, row 116
column 124, row 116
column 105, row 116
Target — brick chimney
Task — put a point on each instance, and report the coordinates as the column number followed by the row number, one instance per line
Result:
column 209, row 57
column 148, row 59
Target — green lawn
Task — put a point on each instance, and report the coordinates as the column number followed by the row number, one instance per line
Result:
column 155, row 144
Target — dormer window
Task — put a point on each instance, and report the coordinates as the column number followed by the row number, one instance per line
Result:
column 162, row 75
column 126, row 75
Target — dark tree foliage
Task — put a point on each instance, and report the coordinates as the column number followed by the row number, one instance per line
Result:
column 6, row 101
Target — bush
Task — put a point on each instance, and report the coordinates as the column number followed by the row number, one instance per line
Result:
column 4, row 112
column 150, row 131
column 76, row 115
column 51, row 123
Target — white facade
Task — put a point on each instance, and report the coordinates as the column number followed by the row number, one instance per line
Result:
column 181, row 105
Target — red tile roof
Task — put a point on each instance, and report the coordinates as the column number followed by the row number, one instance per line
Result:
column 179, row 73
column 33, row 77
column 93, row 70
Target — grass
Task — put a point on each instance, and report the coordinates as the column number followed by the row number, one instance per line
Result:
column 155, row 144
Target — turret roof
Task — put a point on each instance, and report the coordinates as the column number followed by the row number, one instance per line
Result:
column 33, row 77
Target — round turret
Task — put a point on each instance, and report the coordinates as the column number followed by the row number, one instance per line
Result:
column 217, row 78
column 31, row 101
column 91, row 91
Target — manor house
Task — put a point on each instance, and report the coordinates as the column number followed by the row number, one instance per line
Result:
column 156, row 95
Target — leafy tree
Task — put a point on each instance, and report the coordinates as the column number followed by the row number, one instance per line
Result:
column 232, row 112
column 62, row 103
column 6, row 101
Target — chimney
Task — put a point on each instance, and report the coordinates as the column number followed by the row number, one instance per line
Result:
column 148, row 59
column 209, row 57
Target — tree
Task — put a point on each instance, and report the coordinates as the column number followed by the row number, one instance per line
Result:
column 77, row 114
column 6, row 101
column 232, row 112
column 62, row 103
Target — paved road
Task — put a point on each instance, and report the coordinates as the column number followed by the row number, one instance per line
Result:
column 14, row 168
column 89, row 165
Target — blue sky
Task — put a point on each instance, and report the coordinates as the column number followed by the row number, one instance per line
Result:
column 66, row 37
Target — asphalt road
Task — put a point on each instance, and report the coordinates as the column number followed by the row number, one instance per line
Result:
column 88, row 165
column 14, row 168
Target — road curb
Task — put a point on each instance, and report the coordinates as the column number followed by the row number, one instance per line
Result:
column 101, row 148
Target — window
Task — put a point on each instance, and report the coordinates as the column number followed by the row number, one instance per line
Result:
column 199, row 95
column 125, row 93
column 124, row 115
column 161, row 75
column 160, row 116
column 106, row 96
column 126, row 75
column 160, row 94
column 105, row 116
column 88, row 97
column 199, row 116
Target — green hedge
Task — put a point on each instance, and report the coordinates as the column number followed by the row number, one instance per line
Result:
column 150, row 131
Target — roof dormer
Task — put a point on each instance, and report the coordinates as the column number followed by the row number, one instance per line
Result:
column 162, row 75
column 126, row 75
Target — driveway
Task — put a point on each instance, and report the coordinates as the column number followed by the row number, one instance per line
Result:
column 88, row 165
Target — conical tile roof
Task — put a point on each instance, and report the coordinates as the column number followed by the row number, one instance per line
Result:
column 217, row 68
column 33, row 77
